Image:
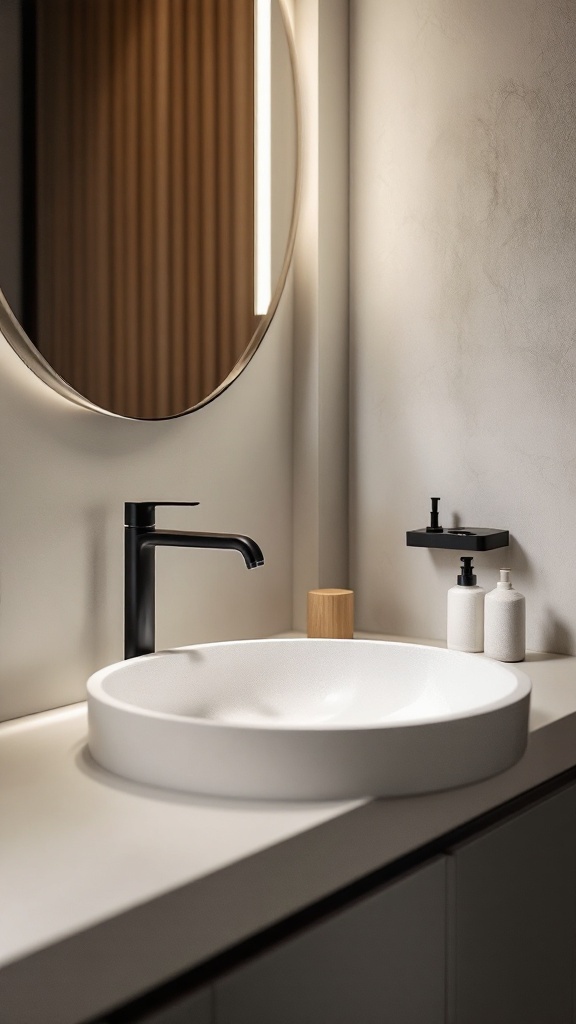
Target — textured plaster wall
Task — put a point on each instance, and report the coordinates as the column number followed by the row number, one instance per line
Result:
column 463, row 302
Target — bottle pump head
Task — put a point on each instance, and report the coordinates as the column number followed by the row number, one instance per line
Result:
column 466, row 577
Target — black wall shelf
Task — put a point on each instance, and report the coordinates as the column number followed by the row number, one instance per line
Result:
column 461, row 538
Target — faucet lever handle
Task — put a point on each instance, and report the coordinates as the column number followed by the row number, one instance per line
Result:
column 142, row 513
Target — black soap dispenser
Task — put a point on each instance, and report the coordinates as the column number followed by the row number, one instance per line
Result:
column 465, row 611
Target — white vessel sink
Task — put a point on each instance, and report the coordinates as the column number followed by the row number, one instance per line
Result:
column 308, row 719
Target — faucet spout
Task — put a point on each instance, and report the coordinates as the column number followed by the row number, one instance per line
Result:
column 247, row 547
column 141, row 540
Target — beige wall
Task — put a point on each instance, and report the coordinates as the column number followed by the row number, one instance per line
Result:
column 266, row 458
column 463, row 327
column 65, row 474
column 320, row 508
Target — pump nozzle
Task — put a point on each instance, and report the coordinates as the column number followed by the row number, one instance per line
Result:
column 434, row 528
column 466, row 577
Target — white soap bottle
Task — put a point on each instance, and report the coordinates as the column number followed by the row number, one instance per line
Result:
column 505, row 621
column 465, row 623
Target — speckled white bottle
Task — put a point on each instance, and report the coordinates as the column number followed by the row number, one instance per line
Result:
column 465, row 618
column 505, row 621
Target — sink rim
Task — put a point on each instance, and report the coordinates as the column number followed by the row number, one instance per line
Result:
column 520, row 690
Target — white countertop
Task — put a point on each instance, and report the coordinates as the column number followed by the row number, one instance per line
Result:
column 109, row 887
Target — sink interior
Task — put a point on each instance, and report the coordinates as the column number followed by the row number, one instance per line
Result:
column 308, row 719
column 310, row 683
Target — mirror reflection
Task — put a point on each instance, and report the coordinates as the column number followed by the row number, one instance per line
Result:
column 152, row 171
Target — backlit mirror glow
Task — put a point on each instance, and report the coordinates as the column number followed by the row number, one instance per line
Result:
column 263, row 158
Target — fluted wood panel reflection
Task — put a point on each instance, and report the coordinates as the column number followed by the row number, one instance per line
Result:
column 144, row 231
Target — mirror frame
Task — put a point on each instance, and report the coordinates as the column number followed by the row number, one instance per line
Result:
column 24, row 347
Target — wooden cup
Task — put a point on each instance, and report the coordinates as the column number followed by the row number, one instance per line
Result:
column 331, row 614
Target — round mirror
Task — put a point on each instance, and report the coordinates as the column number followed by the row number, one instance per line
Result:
column 148, row 185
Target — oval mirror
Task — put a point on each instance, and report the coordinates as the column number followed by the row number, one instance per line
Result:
column 148, row 186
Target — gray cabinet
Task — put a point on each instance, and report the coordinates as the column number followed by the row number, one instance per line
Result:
column 511, row 920
column 484, row 934
column 378, row 961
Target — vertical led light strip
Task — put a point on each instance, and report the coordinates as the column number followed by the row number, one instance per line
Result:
column 263, row 158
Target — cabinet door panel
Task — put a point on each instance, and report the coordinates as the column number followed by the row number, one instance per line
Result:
column 380, row 961
column 512, row 928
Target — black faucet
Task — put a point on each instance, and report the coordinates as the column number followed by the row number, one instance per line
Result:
column 141, row 540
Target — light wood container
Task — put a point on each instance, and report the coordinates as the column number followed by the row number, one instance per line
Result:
column 331, row 614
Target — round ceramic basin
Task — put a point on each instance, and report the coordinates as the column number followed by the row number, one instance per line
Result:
column 308, row 719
